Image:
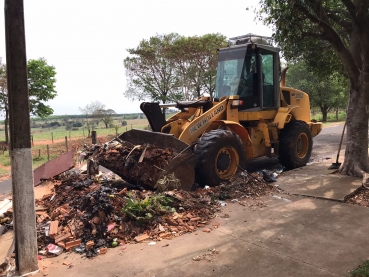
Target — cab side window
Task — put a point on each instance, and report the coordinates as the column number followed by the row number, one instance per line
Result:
column 268, row 79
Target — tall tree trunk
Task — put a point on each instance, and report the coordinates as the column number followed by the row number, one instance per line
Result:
column 356, row 154
column 337, row 113
column 198, row 90
column 6, row 125
column 324, row 111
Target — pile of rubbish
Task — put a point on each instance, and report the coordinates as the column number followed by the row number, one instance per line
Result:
column 88, row 211
column 91, row 215
column 140, row 165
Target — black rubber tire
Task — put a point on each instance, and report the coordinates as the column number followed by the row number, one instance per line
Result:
column 288, row 143
column 207, row 149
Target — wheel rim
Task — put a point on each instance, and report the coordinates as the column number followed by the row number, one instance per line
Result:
column 302, row 145
column 226, row 162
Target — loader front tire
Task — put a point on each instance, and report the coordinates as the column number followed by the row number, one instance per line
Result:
column 219, row 153
column 295, row 144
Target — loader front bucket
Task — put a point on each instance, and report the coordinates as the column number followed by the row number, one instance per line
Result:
column 180, row 168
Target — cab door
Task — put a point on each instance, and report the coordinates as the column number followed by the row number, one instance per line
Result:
column 269, row 82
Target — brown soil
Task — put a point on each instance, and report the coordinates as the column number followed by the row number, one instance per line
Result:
column 70, row 141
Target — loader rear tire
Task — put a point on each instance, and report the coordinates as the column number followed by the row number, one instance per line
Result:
column 219, row 154
column 295, row 144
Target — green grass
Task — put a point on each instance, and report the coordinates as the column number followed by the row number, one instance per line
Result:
column 37, row 161
column 331, row 117
column 4, row 158
column 362, row 270
column 42, row 134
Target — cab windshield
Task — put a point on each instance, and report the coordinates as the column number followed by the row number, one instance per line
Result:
column 235, row 72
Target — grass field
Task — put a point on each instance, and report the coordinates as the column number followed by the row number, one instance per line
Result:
column 46, row 134
column 43, row 137
column 331, row 117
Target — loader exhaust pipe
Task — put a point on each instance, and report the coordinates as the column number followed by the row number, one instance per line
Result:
column 283, row 76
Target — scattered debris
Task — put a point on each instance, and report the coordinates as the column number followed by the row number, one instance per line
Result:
column 54, row 249
column 140, row 165
column 88, row 212
column 359, row 197
column 54, row 167
column 206, row 256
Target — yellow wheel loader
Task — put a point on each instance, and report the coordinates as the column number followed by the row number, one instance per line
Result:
column 252, row 114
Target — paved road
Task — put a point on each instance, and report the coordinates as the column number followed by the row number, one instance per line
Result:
column 327, row 142
column 325, row 145
column 5, row 187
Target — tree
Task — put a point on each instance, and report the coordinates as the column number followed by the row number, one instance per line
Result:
column 195, row 59
column 149, row 73
column 4, row 98
column 106, row 116
column 313, row 30
column 92, row 114
column 41, row 88
column 326, row 93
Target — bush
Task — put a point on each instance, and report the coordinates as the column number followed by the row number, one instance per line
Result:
column 124, row 123
column 77, row 124
column 68, row 126
column 75, row 129
column 55, row 124
column 35, row 125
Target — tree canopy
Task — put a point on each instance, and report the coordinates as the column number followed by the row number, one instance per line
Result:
column 41, row 88
column 173, row 67
column 325, row 92
column 150, row 75
column 195, row 60
column 330, row 34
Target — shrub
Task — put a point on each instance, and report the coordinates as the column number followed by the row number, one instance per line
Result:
column 55, row 124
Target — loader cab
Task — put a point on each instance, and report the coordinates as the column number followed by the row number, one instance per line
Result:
column 251, row 71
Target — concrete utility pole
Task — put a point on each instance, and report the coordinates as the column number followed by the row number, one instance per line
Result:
column 24, row 215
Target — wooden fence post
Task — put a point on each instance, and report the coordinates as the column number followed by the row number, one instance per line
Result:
column 52, row 137
column 83, row 129
column 66, row 143
column 131, row 126
column 48, row 153
column 93, row 137
column 32, row 140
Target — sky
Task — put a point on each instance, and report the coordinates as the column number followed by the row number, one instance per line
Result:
column 86, row 41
